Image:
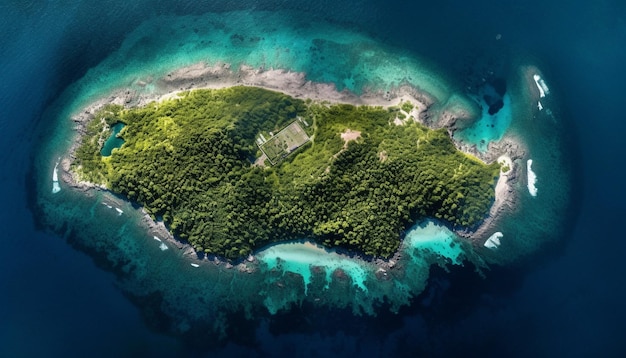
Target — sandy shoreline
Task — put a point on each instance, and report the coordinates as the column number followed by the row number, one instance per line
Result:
column 512, row 151
column 295, row 84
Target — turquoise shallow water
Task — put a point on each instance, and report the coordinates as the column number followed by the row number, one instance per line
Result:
column 487, row 127
column 435, row 239
column 300, row 258
column 283, row 276
column 325, row 53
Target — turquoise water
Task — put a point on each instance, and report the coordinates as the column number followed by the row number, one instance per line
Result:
column 300, row 258
column 538, row 219
column 434, row 239
column 287, row 275
column 325, row 53
column 487, row 127
column 113, row 141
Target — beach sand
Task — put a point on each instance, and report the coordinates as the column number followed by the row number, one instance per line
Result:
column 349, row 135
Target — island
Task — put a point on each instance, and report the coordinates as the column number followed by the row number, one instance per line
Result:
column 233, row 166
column 230, row 170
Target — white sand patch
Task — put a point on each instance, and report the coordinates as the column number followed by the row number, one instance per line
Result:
column 502, row 186
column 300, row 257
column 532, row 178
column 505, row 161
column 494, row 240
column 168, row 96
column 501, row 189
column 349, row 135
column 505, row 197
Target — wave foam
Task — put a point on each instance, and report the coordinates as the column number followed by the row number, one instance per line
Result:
column 532, row 178
column 55, row 179
column 493, row 242
column 541, row 84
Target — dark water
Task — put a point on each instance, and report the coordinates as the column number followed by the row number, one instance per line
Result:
column 55, row 302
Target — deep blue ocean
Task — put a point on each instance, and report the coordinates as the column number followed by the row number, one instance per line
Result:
column 569, row 301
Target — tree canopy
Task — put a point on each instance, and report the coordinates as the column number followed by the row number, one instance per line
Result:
column 190, row 161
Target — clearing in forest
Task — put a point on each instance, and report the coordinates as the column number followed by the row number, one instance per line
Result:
column 284, row 142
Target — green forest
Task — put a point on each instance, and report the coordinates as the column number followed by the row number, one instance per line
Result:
column 192, row 162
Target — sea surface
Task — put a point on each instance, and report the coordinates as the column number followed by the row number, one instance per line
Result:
column 59, row 299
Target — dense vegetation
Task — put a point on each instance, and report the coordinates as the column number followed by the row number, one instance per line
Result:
column 189, row 161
